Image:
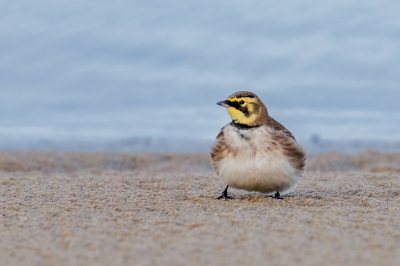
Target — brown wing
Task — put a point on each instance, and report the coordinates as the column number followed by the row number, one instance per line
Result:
column 218, row 150
column 279, row 127
column 290, row 148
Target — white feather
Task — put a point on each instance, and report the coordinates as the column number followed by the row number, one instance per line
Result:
column 255, row 166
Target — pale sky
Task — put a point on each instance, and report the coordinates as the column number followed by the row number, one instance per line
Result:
column 110, row 70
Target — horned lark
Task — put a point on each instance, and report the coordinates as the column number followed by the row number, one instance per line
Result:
column 254, row 152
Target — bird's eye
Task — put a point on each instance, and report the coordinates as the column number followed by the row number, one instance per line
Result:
column 241, row 102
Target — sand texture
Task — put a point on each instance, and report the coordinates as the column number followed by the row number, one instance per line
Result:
column 107, row 209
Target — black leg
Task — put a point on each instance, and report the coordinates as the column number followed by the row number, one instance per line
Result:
column 277, row 195
column 224, row 194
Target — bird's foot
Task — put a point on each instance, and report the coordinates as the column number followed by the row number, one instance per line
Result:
column 224, row 194
column 277, row 196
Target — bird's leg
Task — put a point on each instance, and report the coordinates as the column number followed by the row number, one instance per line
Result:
column 277, row 195
column 224, row 194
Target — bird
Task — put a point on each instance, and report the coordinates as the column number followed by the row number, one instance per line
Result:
column 254, row 152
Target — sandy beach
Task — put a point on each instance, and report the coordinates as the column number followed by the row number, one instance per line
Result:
column 116, row 209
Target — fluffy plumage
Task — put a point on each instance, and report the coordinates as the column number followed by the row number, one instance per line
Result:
column 254, row 152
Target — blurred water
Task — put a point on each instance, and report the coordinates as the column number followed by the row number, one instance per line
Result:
column 193, row 130
column 101, row 72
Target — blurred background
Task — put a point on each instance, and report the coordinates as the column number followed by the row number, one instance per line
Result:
column 138, row 76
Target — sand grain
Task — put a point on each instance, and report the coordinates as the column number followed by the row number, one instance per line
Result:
column 109, row 217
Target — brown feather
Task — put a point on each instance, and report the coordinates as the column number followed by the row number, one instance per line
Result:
column 279, row 127
column 219, row 150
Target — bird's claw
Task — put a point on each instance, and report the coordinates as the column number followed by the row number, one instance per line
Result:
column 224, row 197
column 277, row 196
column 224, row 194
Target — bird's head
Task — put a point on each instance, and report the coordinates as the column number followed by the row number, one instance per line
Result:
column 245, row 108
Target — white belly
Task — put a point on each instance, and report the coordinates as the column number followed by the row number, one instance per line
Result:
column 255, row 165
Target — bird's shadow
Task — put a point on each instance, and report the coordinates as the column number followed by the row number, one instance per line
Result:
column 255, row 196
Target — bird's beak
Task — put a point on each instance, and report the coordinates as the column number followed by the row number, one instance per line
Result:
column 223, row 104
